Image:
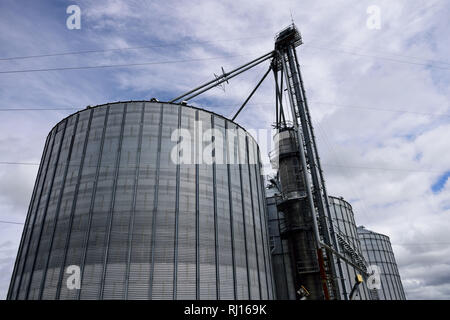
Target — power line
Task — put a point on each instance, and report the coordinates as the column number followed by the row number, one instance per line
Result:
column 131, row 166
column 189, row 60
column 261, row 103
column 418, row 13
column 346, row 173
column 421, row 243
column 380, row 57
column 38, row 109
column 396, row 54
column 383, row 109
column 19, row 163
column 74, row 108
column 227, row 40
column 120, row 65
column 178, row 44
column 11, row 222
column 394, row 244
column 384, row 168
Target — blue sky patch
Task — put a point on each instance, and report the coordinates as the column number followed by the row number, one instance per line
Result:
column 439, row 184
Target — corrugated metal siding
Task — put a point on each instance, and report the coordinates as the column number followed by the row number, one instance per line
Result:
column 378, row 251
column 345, row 226
column 109, row 199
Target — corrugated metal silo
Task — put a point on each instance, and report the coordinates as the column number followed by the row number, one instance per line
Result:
column 349, row 246
column 347, row 238
column 378, row 251
column 110, row 199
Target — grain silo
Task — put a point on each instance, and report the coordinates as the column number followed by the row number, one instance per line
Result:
column 378, row 251
column 348, row 246
column 110, row 199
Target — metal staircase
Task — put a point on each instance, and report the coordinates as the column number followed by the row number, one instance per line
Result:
column 355, row 256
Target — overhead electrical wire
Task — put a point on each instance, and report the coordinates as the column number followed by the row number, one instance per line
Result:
column 20, row 163
column 11, row 222
column 259, row 103
column 199, row 59
column 191, row 60
column 381, row 57
column 352, row 46
column 177, row 44
column 38, row 109
column 343, row 170
column 261, row 35
column 437, row 243
column 384, row 109
column 324, row 164
column 384, row 168
column 306, row 45
column 120, row 65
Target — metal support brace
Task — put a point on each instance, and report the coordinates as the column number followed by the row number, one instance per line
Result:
column 224, row 77
column 251, row 94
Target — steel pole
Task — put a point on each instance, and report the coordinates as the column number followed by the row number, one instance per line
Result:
column 251, row 94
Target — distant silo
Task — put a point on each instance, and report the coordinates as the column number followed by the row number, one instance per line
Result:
column 110, row 199
column 349, row 246
column 378, row 252
column 348, row 242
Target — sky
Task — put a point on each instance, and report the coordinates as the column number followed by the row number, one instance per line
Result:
column 378, row 95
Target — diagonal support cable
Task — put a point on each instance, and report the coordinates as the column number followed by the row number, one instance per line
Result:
column 251, row 94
